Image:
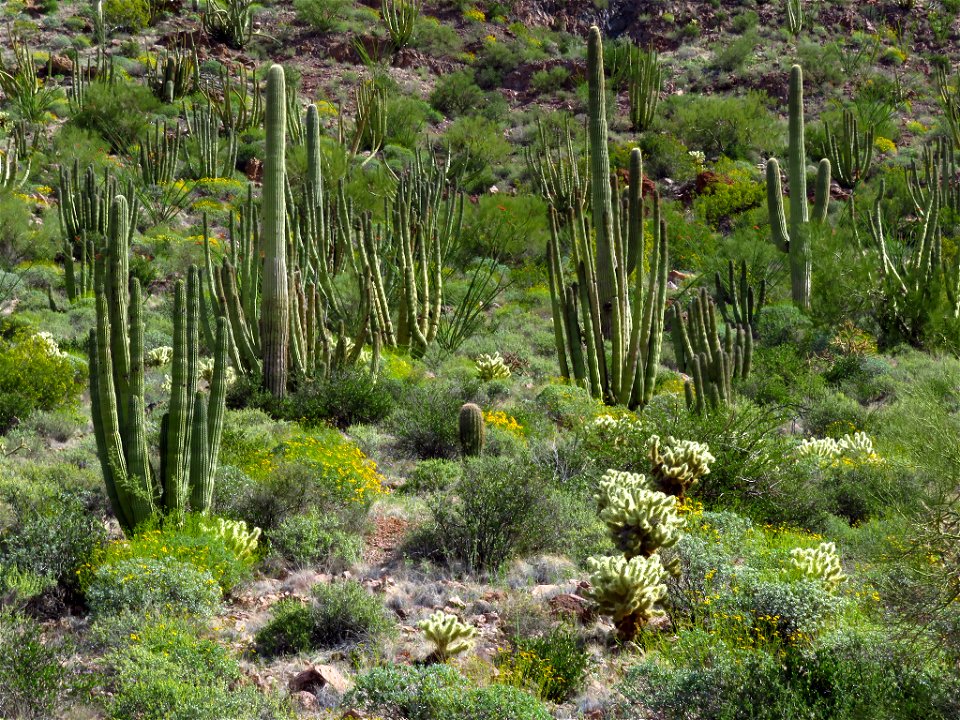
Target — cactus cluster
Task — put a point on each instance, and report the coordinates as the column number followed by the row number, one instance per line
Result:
column 850, row 150
column 604, row 305
column 712, row 364
column 641, row 521
column 614, row 481
column 678, row 465
column 857, row 446
column 820, row 563
column 449, row 636
column 795, row 238
column 739, row 305
column 159, row 356
column 492, row 367
column 191, row 428
column 473, row 430
column 629, row 591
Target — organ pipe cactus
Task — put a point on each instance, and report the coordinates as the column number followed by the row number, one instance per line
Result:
column 473, row 430
column 644, row 81
column 739, row 304
column 627, row 312
column 850, row 150
column 678, row 465
column 712, row 364
column 629, row 591
column 796, row 240
column 190, row 430
column 449, row 636
column 400, row 17
column 160, row 154
column 10, row 176
column 210, row 157
column 275, row 303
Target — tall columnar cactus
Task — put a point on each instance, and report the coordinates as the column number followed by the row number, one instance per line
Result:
column 712, row 364
column 644, row 81
column 850, row 150
column 796, row 241
column 192, row 424
column 275, row 303
column 739, row 305
column 473, row 430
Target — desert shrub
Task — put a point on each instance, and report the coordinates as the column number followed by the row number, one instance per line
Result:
column 549, row 81
column 345, row 398
column 833, row 414
column 341, row 613
column 457, row 94
column 568, row 405
column 322, row 15
column 193, row 543
column 425, row 424
column 52, row 538
column 783, row 325
column 439, row 692
column 494, row 62
column 152, row 584
column 17, row 237
column 494, row 514
column 315, row 540
column 34, row 375
column 552, row 667
column 738, row 127
column 163, row 667
column 721, row 201
column 732, row 56
column 790, row 612
column 477, row 146
column 271, row 472
column 132, row 15
column 119, row 112
column 430, row 476
column 435, row 38
column 666, row 157
column 408, row 116
column 31, row 676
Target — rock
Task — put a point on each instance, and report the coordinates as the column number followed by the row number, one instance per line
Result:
column 304, row 700
column 570, row 605
column 320, row 677
column 456, row 602
column 545, row 592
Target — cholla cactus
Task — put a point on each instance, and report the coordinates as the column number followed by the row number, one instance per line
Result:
column 235, row 533
column 49, row 344
column 627, row 590
column 449, row 635
column 205, row 370
column 821, row 563
column 641, row 521
column 617, row 431
column 678, row 465
column 828, row 451
column 160, row 356
column 492, row 367
column 614, row 481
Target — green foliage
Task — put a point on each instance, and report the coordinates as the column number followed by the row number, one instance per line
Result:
column 477, row 147
column 439, row 692
column 31, row 674
column 346, row 397
column 552, row 667
column 34, row 375
column 341, row 613
column 425, row 424
column 457, row 93
column 322, row 15
column 152, row 584
column 496, row 514
column 315, row 539
column 430, row 476
column 738, row 127
column 449, row 636
column 722, row 201
column 162, row 668
column 132, row 15
column 545, row 82
column 120, row 112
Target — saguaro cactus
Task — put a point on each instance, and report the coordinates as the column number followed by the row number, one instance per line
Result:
column 192, row 423
column 473, row 430
column 796, row 241
column 275, row 302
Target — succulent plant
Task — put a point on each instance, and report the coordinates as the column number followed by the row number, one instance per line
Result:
column 235, row 533
column 160, row 356
column 473, row 430
column 614, row 481
column 449, row 636
column 641, row 521
column 492, row 367
column 678, row 465
column 628, row 591
column 821, row 563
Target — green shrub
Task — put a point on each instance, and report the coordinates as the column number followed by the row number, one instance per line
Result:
column 783, row 325
column 315, row 540
column 549, row 81
column 162, row 668
column 158, row 584
column 34, row 375
column 439, row 692
column 792, row 613
column 408, row 116
column 738, row 127
column 666, row 157
column 425, row 424
column 346, row 398
column 31, row 675
column 496, row 513
column 119, row 112
column 552, row 667
column 435, row 38
column 341, row 613
column 457, row 94
column 431, row 476
column 18, row 239
column 477, row 146
column 721, row 201
column 132, row 15
column 322, row 15
column 494, row 62
column 732, row 56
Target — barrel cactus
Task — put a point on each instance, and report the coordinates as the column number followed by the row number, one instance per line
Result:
column 473, row 430
column 628, row 591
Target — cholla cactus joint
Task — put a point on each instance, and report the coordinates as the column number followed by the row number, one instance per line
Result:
column 678, row 465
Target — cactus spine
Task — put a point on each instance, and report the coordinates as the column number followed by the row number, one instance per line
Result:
column 473, row 430
column 275, row 303
column 796, row 241
column 190, row 430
